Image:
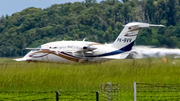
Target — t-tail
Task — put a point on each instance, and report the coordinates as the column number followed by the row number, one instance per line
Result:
column 126, row 38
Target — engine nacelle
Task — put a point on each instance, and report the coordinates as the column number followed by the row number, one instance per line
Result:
column 89, row 48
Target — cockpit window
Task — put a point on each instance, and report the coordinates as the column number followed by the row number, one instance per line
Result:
column 37, row 49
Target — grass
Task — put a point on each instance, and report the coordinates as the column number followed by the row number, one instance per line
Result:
column 44, row 77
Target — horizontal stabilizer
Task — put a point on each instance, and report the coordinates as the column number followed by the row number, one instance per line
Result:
column 141, row 25
column 156, row 25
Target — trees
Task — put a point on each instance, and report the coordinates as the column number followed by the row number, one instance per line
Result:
column 101, row 22
column 171, row 12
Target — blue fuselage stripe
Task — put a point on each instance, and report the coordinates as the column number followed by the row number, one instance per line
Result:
column 108, row 54
column 122, row 50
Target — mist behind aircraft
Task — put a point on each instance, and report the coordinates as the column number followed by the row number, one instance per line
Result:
column 151, row 51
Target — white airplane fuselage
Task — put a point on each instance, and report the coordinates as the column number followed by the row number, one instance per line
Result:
column 68, row 51
column 84, row 51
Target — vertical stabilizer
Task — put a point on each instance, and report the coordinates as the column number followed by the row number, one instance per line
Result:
column 126, row 38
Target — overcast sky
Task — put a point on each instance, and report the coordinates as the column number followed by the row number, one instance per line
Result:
column 12, row 6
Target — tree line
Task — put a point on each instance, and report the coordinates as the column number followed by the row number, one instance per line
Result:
column 100, row 22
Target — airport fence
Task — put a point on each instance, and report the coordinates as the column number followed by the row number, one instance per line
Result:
column 27, row 96
column 77, row 95
column 108, row 92
column 50, row 96
column 156, row 92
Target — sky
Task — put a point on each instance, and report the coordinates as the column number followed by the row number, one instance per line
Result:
column 10, row 7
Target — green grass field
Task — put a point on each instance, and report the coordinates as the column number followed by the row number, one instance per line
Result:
column 47, row 77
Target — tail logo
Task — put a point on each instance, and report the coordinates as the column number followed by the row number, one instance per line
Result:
column 130, row 32
column 129, row 35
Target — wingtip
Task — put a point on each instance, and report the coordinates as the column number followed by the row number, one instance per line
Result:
column 20, row 59
column 161, row 25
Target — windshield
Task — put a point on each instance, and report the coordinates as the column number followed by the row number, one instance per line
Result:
column 37, row 49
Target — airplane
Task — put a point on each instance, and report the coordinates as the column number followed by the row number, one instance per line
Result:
column 85, row 51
